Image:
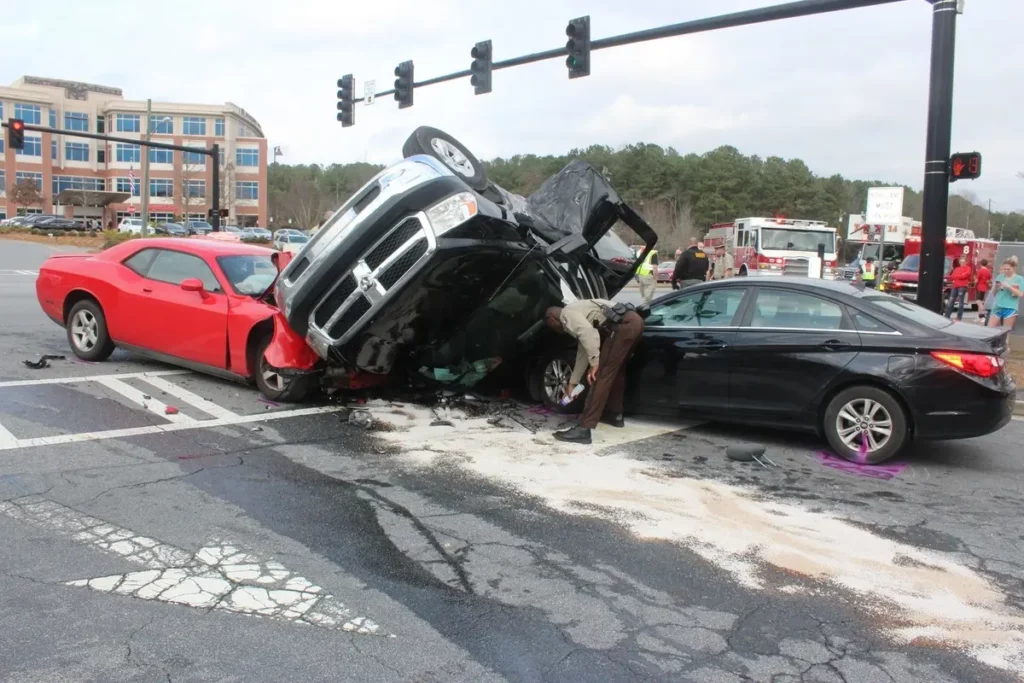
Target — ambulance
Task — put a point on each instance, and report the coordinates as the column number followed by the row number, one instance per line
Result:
column 775, row 246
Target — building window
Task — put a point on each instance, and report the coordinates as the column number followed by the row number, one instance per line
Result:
column 33, row 147
column 3, row 181
column 101, row 155
column 161, row 187
column 1, row 140
column 194, row 158
column 128, row 123
column 218, row 127
column 53, row 149
column 22, row 176
column 161, row 125
column 1, row 110
column 76, row 151
column 159, row 217
column 160, row 156
column 193, row 125
column 195, row 188
column 53, row 118
column 247, row 189
column 129, row 153
column 70, row 182
column 247, row 157
column 29, row 113
column 74, row 120
column 101, row 123
column 127, row 185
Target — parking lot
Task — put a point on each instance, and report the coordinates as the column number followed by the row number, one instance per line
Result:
column 161, row 525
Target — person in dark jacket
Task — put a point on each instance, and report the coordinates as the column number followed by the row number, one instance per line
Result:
column 692, row 267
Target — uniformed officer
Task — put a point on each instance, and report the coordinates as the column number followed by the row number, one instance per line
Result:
column 647, row 275
column 867, row 271
column 603, row 363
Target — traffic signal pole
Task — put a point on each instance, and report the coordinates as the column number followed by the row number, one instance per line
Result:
column 936, row 166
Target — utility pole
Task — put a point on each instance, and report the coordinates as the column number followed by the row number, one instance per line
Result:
column 215, row 156
column 145, row 169
column 936, row 165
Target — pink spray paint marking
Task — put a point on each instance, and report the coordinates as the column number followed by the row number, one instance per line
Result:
column 272, row 404
column 884, row 472
column 540, row 410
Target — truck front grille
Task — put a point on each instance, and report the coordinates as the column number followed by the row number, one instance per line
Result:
column 798, row 267
column 363, row 289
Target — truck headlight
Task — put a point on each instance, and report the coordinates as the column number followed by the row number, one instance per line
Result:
column 452, row 212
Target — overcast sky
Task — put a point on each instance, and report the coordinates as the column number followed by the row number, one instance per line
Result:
column 847, row 92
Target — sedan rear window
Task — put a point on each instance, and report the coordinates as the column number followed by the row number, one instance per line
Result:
column 905, row 309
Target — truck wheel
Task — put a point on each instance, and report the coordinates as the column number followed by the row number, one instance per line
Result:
column 548, row 378
column 274, row 385
column 865, row 413
column 450, row 152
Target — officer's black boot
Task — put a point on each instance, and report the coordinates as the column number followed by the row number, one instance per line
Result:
column 575, row 434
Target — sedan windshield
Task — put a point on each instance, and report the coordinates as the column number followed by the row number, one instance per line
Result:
column 797, row 240
column 249, row 274
column 913, row 263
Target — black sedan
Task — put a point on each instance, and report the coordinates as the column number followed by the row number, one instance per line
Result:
column 866, row 370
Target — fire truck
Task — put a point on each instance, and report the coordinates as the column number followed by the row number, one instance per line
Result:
column 960, row 242
column 775, row 246
column 884, row 243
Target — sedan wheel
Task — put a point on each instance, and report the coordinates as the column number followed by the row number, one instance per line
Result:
column 84, row 331
column 556, row 375
column 277, row 386
column 865, row 425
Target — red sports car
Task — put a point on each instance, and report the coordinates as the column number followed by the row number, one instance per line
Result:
column 199, row 304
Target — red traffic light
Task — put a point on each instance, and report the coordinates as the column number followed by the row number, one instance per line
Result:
column 17, row 124
column 964, row 166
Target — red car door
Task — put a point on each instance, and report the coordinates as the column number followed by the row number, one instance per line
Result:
column 159, row 316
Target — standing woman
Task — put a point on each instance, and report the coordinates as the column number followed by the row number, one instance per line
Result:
column 1009, row 287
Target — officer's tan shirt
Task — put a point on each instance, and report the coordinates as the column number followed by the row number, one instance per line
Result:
column 579, row 319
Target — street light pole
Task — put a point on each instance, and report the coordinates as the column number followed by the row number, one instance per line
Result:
column 936, row 165
column 145, row 169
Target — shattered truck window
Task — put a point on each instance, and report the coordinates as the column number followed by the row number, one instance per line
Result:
column 492, row 332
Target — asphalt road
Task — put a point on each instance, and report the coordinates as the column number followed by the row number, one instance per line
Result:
column 245, row 541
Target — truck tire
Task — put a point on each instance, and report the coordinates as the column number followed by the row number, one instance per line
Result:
column 450, row 152
column 552, row 369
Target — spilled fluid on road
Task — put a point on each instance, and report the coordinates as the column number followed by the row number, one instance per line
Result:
column 919, row 596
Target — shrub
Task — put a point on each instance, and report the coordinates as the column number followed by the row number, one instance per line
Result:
column 113, row 237
column 256, row 240
column 73, row 233
column 38, row 232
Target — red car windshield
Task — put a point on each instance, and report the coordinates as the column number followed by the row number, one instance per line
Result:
column 249, row 274
column 913, row 263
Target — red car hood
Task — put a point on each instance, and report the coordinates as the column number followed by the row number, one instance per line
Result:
column 903, row 276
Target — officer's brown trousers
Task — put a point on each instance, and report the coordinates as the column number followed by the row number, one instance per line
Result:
column 607, row 392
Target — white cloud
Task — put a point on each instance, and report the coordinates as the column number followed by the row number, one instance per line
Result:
column 628, row 120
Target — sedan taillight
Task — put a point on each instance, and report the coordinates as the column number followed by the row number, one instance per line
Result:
column 977, row 364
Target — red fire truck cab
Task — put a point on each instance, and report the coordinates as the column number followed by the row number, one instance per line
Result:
column 960, row 243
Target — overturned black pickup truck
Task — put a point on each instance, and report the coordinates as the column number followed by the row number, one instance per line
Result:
column 433, row 272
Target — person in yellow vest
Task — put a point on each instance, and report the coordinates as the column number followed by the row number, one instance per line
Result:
column 868, row 272
column 647, row 276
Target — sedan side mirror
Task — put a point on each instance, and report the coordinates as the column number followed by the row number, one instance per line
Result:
column 192, row 284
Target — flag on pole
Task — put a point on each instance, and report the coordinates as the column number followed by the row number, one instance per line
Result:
column 278, row 152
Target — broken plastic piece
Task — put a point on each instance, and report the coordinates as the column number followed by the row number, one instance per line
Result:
column 360, row 418
column 744, row 452
column 43, row 362
column 170, row 410
column 442, row 423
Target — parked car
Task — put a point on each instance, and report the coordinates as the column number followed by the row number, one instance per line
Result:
column 132, row 225
column 197, row 227
column 866, row 370
column 291, row 242
column 124, row 296
column 286, row 231
column 257, row 233
column 59, row 223
column 431, row 270
column 171, row 230
column 665, row 270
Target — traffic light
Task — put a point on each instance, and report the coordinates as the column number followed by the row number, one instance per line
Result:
column 223, row 213
column 346, row 95
column 964, row 166
column 578, row 46
column 481, row 68
column 15, row 133
column 404, row 84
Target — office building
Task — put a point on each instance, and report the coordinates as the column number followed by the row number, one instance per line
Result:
column 86, row 178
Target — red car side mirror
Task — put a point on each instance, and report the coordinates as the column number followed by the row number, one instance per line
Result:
column 192, row 284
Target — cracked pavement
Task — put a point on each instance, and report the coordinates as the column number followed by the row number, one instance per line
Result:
column 313, row 550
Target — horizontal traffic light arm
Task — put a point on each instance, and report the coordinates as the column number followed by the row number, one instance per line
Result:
column 111, row 138
column 789, row 10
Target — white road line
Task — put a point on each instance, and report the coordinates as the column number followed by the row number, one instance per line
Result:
column 90, row 378
column 139, row 398
column 7, row 440
column 171, row 427
column 26, row 272
column 194, row 400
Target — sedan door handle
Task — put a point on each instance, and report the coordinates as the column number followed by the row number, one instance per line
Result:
column 713, row 345
column 834, row 344
column 147, row 290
